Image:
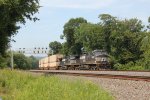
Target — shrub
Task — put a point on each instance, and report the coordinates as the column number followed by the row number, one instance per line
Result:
column 3, row 62
column 128, row 66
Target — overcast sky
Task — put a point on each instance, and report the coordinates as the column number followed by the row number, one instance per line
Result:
column 55, row 13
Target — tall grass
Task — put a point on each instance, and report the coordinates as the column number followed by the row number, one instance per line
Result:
column 15, row 85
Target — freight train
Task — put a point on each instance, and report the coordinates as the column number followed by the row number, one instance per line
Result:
column 96, row 60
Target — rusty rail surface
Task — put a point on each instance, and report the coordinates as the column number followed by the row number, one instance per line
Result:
column 110, row 76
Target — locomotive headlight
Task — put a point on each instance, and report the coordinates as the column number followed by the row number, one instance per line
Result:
column 104, row 59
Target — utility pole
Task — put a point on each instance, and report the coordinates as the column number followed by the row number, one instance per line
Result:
column 12, row 56
column 12, row 60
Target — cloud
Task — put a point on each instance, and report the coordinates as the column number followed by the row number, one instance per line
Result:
column 76, row 4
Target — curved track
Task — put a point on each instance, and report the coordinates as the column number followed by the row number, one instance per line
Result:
column 124, row 75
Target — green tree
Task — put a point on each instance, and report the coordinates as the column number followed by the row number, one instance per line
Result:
column 149, row 23
column 55, row 47
column 126, row 40
column 3, row 62
column 90, row 36
column 22, row 62
column 64, row 49
column 146, row 49
column 12, row 14
column 68, row 35
column 108, row 23
column 34, row 62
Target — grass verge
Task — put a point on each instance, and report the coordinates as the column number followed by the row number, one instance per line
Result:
column 15, row 85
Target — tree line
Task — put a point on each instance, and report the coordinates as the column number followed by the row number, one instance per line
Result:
column 20, row 61
column 127, row 41
column 13, row 13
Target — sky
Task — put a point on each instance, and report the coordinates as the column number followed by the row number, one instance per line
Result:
column 55, row 13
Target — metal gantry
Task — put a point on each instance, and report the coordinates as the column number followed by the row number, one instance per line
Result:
column 36, row 50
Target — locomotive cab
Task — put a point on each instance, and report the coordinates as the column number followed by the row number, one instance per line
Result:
column 64, row 62
column 84, row 58
column 74, row 59
column 101, row 57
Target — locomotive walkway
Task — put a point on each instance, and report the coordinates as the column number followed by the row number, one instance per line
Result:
column 124, row 75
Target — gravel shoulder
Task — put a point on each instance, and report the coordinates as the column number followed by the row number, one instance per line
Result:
column 120, row 89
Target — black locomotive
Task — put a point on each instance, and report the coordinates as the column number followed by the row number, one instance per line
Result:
column 96, row 60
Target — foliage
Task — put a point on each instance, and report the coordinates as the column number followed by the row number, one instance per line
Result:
column 16, row 85
column 130, row 66
column 108, row 23
column 64, row 49
column 146, row 48
column 55, row 47
column 13, row 12
column 90, row 36
column 68, row 35
column 125, row 40
column 20, row 61
column 23, row 62
column 3, row 62
column 34, row 62
column 149, row 23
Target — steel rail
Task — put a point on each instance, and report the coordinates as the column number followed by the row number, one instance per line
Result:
column 110, row 76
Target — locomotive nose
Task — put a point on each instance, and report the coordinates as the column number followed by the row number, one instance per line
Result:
column 98, row 59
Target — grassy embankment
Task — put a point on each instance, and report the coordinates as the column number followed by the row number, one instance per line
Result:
column 16, row 85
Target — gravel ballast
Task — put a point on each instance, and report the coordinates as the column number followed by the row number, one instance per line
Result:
column 128, row 73
column 120, row 89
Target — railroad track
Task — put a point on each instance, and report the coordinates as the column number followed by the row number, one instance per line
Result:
column 100, row 74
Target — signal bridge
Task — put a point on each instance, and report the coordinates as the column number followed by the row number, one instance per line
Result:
column 33, row 50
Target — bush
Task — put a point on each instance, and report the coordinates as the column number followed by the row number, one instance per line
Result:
column 3, row 62
column 129, row 66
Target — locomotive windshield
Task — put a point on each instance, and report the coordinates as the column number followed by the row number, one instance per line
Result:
column 99, row 53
